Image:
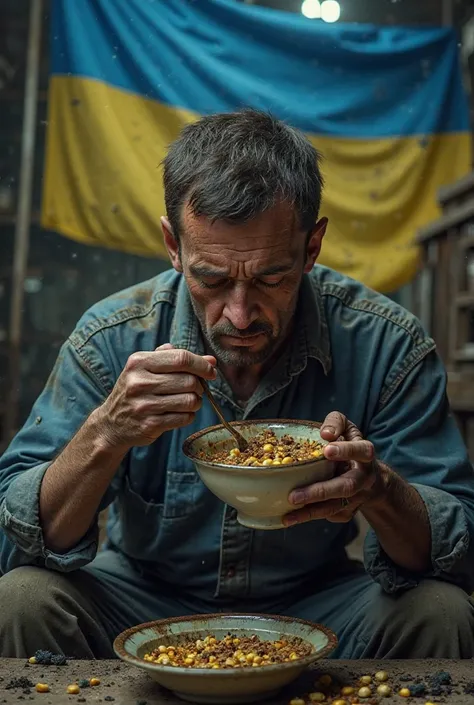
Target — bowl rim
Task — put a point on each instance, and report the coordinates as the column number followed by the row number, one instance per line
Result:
column 270, row 470
column 119, row 645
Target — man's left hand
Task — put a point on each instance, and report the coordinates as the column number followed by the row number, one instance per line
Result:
column 359, row 476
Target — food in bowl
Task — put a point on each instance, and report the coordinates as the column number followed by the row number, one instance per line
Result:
column 266, row 450
column 230, row 652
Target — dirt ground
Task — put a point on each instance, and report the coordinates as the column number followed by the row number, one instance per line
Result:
column 122, row 684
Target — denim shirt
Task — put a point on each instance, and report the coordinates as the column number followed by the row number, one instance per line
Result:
column 352, row 350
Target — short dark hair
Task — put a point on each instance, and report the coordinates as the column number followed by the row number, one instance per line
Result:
column 234, row 166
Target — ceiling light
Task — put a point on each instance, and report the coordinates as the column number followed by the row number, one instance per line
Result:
column 330, row 11
column 311, row 9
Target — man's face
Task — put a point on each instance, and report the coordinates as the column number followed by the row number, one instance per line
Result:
column 244, row 279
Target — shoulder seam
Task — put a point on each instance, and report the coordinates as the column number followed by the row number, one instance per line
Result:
column 374, row 308
column 85, row 361
column 118, row 318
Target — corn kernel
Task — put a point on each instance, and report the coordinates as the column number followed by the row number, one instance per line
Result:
column 236, row 642
column 317, row 697
column 276, row 462
column 381, row 676
column 215, row 665
column 364, row 692
column 430, row 703
column 32, row 660
column 268, row 447
column 404, row 693
column 250, row 658
column 347, row 690
column 234, row 452
column 316, row 454
column 73, row 689
column 257, row 661
column 162, row 649
column 339, row 702
column 42, row 688
column 94, row 681
column 189, row 661
column 325, row 680
column 297, row 701
column 229, row 662
column 384, row 690
column 267, row 461
column 365, row 680
column 293, row 656
column 287, row 460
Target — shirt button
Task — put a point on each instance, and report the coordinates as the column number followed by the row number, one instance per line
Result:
column 231, row 572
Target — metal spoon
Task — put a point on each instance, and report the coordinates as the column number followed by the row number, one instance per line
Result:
column 242, row 444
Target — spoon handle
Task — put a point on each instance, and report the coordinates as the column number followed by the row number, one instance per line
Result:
column 240, row 440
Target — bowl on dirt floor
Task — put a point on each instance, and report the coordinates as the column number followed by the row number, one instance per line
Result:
column 259, row 494
column 227, row 686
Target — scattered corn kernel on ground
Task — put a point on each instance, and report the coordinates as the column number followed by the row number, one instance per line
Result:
column 330, row 683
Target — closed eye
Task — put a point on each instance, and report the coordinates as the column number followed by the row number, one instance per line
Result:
column 270, row 285
column 212, row 285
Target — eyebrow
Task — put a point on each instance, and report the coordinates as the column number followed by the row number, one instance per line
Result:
column 203, row 271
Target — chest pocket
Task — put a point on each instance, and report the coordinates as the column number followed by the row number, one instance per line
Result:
column 183, row 491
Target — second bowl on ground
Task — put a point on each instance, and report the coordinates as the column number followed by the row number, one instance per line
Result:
column 226, row 686
column 259, row 494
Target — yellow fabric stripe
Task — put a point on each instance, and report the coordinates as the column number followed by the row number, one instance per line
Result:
column 103, row 182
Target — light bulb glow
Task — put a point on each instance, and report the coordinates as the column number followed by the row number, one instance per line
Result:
column 311, row 9
column 330, row 10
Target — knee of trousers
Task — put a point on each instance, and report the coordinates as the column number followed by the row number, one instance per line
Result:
column 27, row 592
column 436, row 605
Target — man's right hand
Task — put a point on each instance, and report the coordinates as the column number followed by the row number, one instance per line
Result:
column 157, row 391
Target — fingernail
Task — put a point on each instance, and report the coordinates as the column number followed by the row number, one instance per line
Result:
column 290, row 520
column 297, row 497
column 329, row 429
column 332, row 451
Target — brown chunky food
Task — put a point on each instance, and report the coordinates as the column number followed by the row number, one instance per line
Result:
column 230, row 652
column 266, row 449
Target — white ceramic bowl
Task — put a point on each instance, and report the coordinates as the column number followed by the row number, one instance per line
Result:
column 227, row 686
column 259, row 494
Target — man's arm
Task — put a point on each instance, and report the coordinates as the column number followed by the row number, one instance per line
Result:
column 157, row 391
column 419, row 500
column 71, row 393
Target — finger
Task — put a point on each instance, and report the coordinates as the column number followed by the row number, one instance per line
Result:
column 172, row 360
column 333, row 426
column 154, row 426
column 142, row 382
column 169, row 403
column 346, row 485
column 169, row 346
column 360, row 450
column 329, row 511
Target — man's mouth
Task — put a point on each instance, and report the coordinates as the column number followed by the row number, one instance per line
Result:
column 242, row 340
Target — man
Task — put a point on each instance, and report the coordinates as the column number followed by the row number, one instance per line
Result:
column 288, row 339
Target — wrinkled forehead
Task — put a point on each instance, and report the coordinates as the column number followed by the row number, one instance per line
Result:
column 271, row 233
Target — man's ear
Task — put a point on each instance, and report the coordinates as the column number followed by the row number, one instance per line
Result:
column 313, row 248
column 171, row 244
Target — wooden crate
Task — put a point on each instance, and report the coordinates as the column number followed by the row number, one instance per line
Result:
column 444, row 295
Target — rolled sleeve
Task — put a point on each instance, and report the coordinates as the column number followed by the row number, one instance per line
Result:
column 450, row 542
column 70, row 395
column 19, row 518
column 416, row 434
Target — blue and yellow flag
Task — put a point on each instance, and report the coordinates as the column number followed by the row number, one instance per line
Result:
column 385, row 106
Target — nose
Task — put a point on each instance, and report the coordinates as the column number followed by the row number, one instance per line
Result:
column 239, row 308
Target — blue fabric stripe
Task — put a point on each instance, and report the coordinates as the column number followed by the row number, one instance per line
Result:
column 355, row 81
